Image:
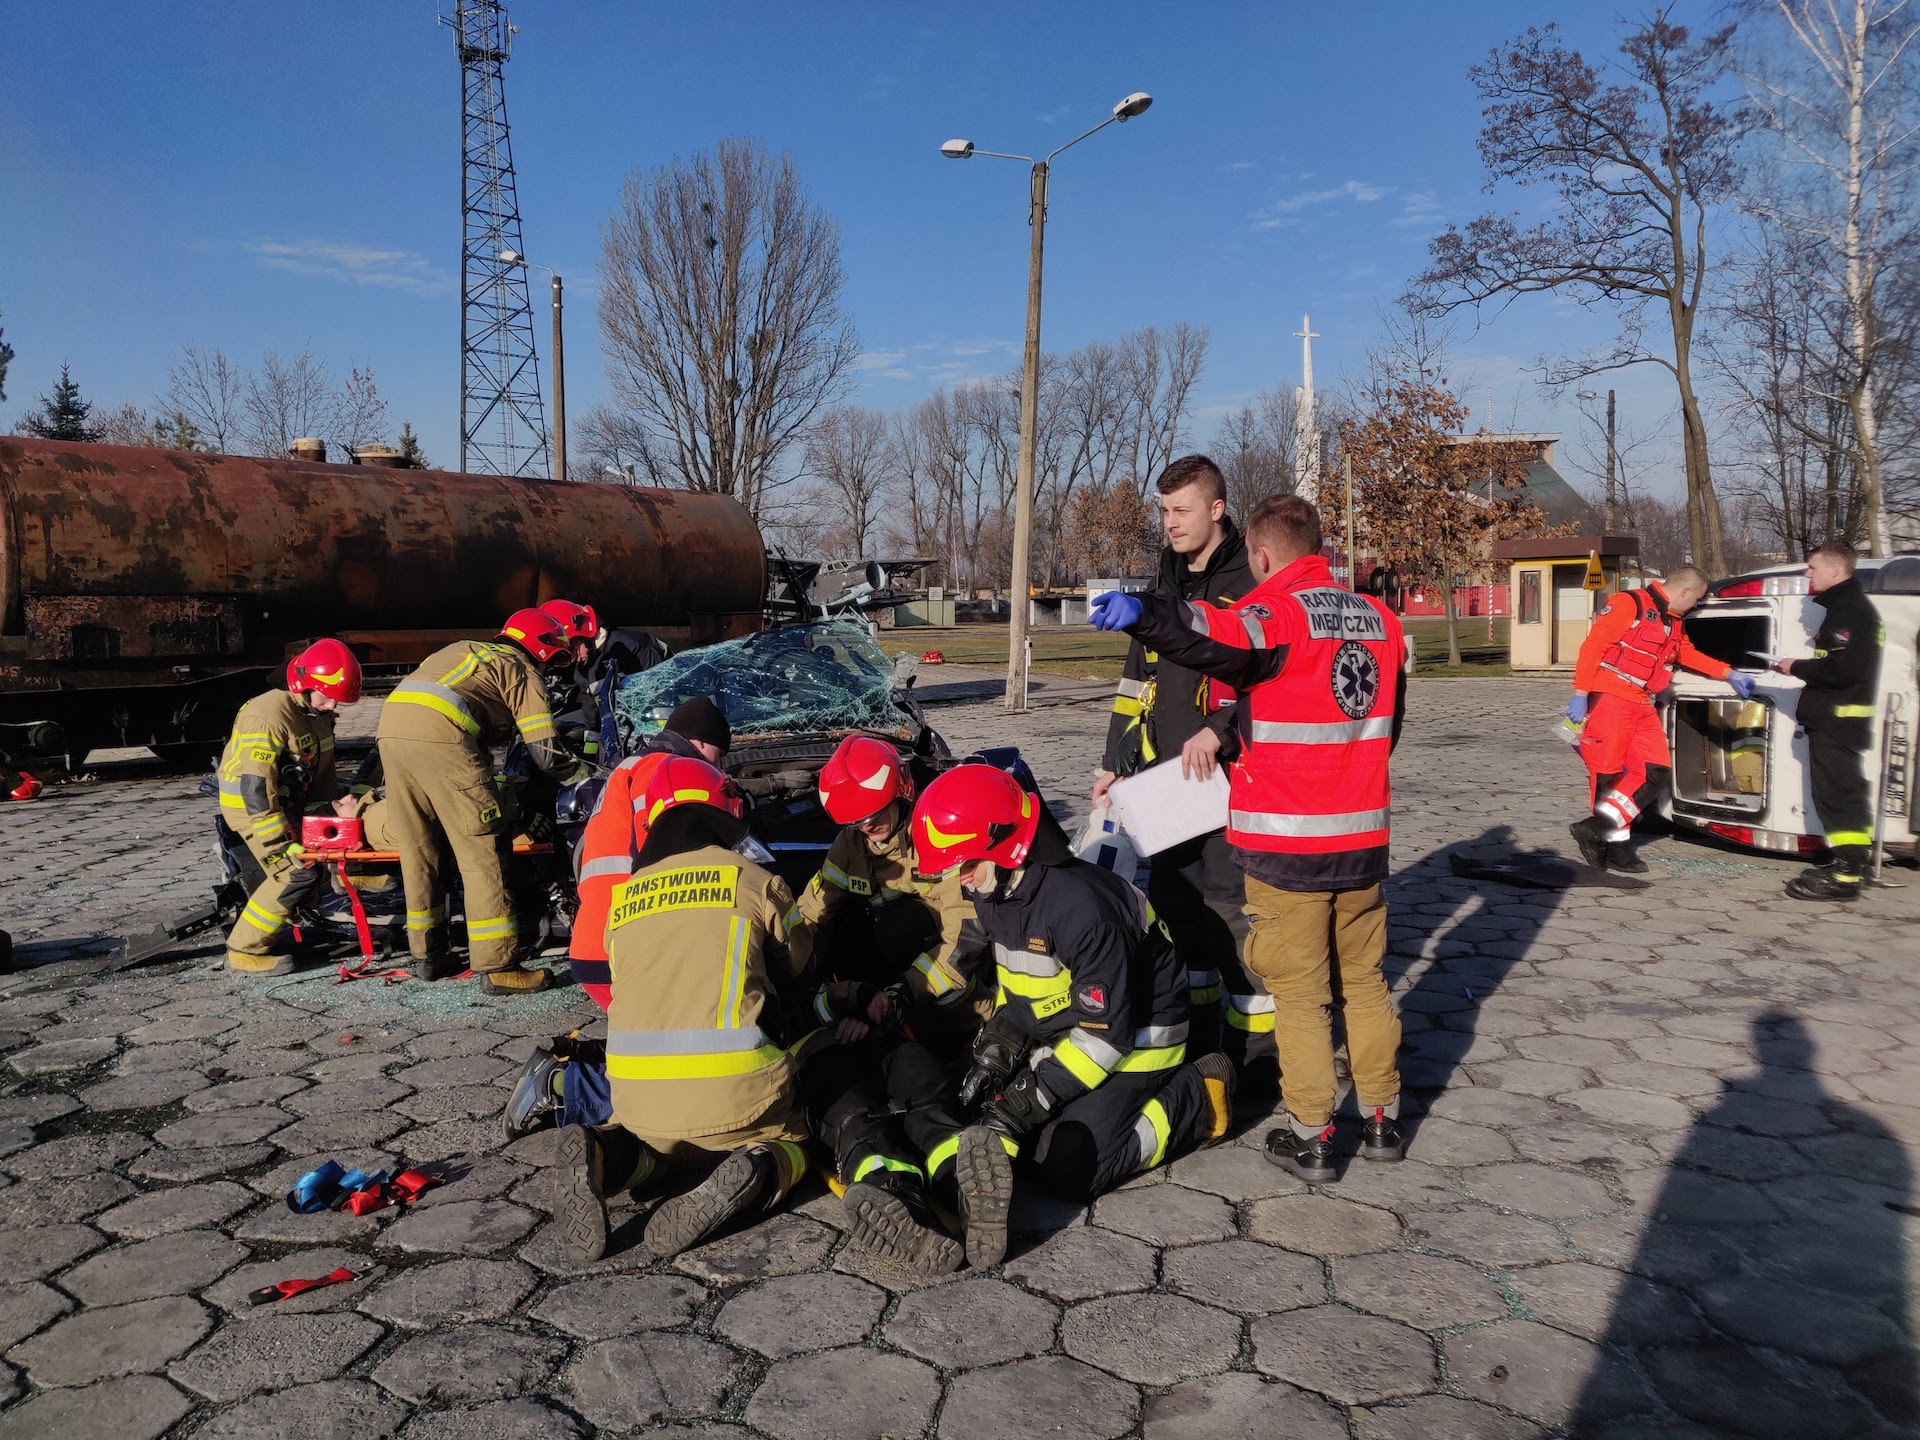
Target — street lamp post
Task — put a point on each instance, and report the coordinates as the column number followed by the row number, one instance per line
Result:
column 514, row 257
column 1606, row 504
column 1017, row 646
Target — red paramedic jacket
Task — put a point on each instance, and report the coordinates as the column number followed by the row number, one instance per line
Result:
column 1322, row 676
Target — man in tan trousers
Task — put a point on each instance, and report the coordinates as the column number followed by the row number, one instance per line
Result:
column 436, row 735
column 707, row 998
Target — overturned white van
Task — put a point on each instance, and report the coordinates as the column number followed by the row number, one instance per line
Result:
column 1740, row 767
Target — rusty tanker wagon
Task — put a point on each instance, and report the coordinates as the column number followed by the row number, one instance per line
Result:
column 146, row 594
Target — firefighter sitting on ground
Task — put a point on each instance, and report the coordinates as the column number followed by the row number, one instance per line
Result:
column 435, row 734
column 1626, row 660
column 1082, row 1068
column 278, row 764
column 899, row 952
column 706, row 997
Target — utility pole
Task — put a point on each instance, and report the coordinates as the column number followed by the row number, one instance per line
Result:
column 1019, row 643
column 1306, row 429
column 1606, row 509
column 1353, row 568
column 559, row 389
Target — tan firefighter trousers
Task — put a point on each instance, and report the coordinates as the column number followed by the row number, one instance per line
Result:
column 437, row 789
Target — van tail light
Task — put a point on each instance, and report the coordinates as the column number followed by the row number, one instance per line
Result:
column 1745, row 590
column 1758, row 839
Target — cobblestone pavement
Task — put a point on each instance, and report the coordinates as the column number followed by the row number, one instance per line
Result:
column 1660, row 1184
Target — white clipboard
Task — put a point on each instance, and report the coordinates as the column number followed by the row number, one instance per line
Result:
column 1159, row 808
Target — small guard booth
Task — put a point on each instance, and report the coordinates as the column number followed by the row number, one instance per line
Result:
column 1558, row 585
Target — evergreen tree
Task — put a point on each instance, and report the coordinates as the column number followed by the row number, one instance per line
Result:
column 64, row 415
column 411, row 455
column 176, row 432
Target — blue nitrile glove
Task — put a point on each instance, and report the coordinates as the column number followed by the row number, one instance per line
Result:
column 1742, row 684
column 1114, row 610
column 1577, row 708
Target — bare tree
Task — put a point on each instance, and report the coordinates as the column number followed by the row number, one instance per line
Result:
column 360, row 415
column 1843, row 111
column 1635, row 163
column 206, row 388
column 1255, row 448
column 285, row 399
column 720, row 311
column 1162, row 370
column 847, row 451
column 611, row 439
column 124, row 424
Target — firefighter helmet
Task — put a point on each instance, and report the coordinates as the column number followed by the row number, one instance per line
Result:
column 974, row 812
column 863, row 777
column 326, row 666
column 539, row 634
column 577, row 620
column 683, row 780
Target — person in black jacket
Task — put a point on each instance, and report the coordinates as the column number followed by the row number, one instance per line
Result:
column 1836, row 711
column 1161, row 710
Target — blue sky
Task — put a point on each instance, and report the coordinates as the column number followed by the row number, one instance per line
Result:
column 244, row 175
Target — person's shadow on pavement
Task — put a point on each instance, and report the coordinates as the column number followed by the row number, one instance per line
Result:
column 1774, row 1301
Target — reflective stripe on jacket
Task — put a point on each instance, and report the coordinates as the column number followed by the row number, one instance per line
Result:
column 479, row 692
column 609, row 844
column 276, row 740
column 699, row 958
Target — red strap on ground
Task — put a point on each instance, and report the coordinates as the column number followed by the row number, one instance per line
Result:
column 287, row 1289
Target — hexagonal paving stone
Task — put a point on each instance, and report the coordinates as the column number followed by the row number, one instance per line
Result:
column 32, row 1254
column 181, row 1207
column 454, row 1070
column 78, row 1154
column 326, row 1411
column 1816, row 1324
column 271, row 1352
column 1322, row 1225
column 143, row 1091
column 1632, row 1109
column 141, row 1407
column 609, row 1305
column 1246, row 1276
column 342, row 1130
column 122, row 1340
column 1541, row 1373
column 640, row 1379
column 75, row 1197
column 1082, row 1263
column 1540, row 1190
column 1443, row 1417
column 27, row 1308
column 274, row 1224
column 1476, row 1232
column 1353, row 1359
column 1166, row 1215
column 223, row 1127
column 1454, row 1143
column 345, row 1096
column 469, row 1363
column 792, row 1314
column 58, row 1055
column 783, row 1245
column 1240, row 1407
column 1588, row 1300
column 231, row 1293
column 1419, row 1290
column 467, row 1227
column 845, row 1395
column 181, row 1264
column 1151, row 1339
column 523, row 1419
column 1234, row 1172
column 178, row 1167
column 1050, row 1398
column 246, row 1094
column 973, row 1322
column 453, row 1292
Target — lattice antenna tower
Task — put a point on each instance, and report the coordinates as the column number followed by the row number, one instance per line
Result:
column 503, row 428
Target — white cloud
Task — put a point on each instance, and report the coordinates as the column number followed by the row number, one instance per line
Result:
column 1421, row 208
column 356, row 265
column 1284, row 213
column 1243, row 164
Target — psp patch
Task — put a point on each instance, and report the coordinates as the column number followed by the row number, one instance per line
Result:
column 1356, row 679
column 1092, row 999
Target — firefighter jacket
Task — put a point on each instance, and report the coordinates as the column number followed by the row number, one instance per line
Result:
column 1160, row 704
column 278, row 761
column 608, row 850
column 1088, row 974
column 1321, row 672
column 1632, row 647
column 480, row 693
column 880, row 873
column 702, row 985
column 1843, row 677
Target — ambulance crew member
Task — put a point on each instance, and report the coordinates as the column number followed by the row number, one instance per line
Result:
column 436, row 732
column 1082, row 1070
column 1164, row 710
column 1321, row 676
column 1626, row 660
column 1836, row 711
column 278, row 763
column 706, row 997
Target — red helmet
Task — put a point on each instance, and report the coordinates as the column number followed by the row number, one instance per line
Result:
column 578, row 621
column 973, row 812
column 327, row 666
column 539, row 634
column 864, row 776
column 683, row 780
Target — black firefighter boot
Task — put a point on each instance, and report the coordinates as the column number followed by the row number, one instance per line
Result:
column 1622, row 856
column 1839, row 881
column 891, row 1217
column 983, row 1171
column 590, row 1164
column 744, row 1183
column 1590, row 835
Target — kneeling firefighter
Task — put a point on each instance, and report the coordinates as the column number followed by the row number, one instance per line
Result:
column 703, row 988
column 278, row 763
column 1082, row 1067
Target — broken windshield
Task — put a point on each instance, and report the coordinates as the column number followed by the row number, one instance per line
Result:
column 793, row 679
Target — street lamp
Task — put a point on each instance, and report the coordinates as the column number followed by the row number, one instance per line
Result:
column 514, row 257
column 1127, row 109
column 1606, row 512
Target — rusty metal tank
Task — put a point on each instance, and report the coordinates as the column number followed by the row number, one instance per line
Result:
column 136, row 582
